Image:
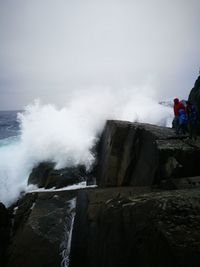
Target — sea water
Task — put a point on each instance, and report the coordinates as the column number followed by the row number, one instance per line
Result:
column 9, row 137
column 9, row 127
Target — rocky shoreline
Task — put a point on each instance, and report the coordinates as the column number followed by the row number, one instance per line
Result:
column 145, row 210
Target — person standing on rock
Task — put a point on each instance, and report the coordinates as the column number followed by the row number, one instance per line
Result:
column 179, row 109
column 192, row 120
column 183, row 121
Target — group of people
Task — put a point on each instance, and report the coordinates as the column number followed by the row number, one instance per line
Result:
column 185, row 118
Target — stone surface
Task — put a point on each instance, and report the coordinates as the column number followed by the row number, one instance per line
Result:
column 139, row 154
column 194, row 95
column 39, row 235
column 5, row 225
column 180, row 183
column 45, row 176
column 131, row 220
column 122, row 227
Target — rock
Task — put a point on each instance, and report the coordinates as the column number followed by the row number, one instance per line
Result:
column 65, row 177
column 40, row 174
column 194, row 95
column 5, row 225
column 41, row 229
column 22, row 210
column 85, row 231
column 44, row 175
column 136, row 154
column 121, row 227
column 180, row 183
column 129, row 220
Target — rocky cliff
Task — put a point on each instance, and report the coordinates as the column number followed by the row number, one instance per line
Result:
column 144, row 212
column 194, row 95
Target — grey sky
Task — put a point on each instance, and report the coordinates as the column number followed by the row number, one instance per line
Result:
column 50, row 49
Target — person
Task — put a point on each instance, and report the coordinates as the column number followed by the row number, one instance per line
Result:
column 183, row 119
column 192, row 120
column 179, row 116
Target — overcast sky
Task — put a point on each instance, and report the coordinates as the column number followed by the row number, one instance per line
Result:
column 50, row 49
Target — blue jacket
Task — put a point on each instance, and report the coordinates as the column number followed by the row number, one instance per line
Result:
column 182, row 116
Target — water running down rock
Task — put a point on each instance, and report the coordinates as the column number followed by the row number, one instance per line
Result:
column 66, row 244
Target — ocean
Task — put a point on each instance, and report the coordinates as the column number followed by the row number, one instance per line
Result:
column 9, row 125
column 9, row 137
column 37, row 134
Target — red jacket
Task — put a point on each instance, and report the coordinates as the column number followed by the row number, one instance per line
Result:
column 178, row 106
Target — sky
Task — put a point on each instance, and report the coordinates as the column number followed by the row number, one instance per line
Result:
column 55, row 49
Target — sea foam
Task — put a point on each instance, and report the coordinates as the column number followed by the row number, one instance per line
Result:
column 66, row 135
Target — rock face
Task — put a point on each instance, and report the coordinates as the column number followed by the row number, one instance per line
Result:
column 5, row 225
column 40, row 232
column 44, row 175
column 194, row 95
column 134, row 154
column 130, row 220
column 121, row 227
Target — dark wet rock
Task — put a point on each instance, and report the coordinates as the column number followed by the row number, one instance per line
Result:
column 22, row 210
column 44, row 175
column 5, row 226
column 130, row 220
column 121, row 227
column 194, row 95
column 124, row 228
column 40, row 174
column 141, row 155
column 180, row 183
column 39, row 234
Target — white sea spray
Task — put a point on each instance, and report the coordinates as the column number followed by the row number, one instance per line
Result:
column 66, row 135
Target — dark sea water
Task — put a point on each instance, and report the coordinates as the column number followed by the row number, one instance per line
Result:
column 9, row 125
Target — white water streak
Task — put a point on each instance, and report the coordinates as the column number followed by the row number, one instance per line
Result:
column 66, row 244
column 82, row 185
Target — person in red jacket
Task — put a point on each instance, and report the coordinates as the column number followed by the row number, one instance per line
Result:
column 178, row 105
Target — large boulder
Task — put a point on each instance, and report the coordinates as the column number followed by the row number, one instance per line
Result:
column 136, row 154
column 5, row 226
column 122, row 227
column 45, row 175
column 41, row 231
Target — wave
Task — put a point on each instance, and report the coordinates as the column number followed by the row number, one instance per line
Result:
column 66, row 136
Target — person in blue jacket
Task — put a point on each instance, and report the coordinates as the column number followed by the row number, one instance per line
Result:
column 183, row 120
